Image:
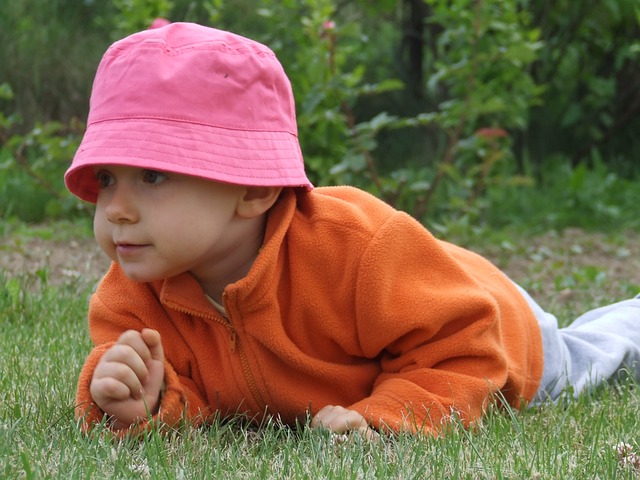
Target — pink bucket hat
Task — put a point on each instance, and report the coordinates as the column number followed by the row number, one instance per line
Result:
column 191, row 100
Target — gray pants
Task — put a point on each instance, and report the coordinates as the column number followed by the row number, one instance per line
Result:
column 595, row 348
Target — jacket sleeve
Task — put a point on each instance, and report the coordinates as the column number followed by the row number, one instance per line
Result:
column 180, row 399
column 436, row 318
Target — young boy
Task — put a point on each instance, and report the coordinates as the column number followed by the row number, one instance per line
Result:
column 238, row 288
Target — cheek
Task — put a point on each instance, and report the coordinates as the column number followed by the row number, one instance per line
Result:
column 102, row 233
column 197, row 232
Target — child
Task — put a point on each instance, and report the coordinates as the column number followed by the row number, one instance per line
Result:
column 238, row 288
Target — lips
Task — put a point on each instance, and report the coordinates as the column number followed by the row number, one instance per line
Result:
column 124, row 249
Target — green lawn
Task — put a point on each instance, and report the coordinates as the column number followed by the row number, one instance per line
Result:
column 44, row 341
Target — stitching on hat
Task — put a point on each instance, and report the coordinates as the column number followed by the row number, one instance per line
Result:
column 250, row 134
column 199, row 154
column 190, row 149
column 190, row 121
column 275, row 173
column 240, row 134
column 205, row 160
column 210, row 142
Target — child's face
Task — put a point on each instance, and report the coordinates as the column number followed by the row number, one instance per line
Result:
column 157, row 225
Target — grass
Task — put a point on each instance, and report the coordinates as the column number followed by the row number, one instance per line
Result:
column 62, row 230
column 45, row 339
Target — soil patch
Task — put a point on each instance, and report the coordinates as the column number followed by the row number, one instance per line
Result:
column 61, row 260
column 546, row 265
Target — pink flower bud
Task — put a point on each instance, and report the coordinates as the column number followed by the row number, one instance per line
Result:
column 329, row 25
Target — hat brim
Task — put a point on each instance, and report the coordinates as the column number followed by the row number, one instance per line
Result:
column 242, row 157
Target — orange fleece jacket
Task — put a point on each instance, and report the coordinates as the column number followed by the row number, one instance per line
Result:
column 350, row 303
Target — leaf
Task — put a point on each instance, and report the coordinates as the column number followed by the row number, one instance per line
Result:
column 389, row 85
column 572, row 115
column 420, row 186
column 6, row 93
column 522, row 53
column 380, row 121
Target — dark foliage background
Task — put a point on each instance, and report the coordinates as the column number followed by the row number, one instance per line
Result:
column 447, row 109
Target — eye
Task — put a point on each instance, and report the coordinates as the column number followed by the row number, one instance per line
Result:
column 153, row 176
column 105, row 179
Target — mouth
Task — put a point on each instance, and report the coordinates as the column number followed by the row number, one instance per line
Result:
column 128, row 249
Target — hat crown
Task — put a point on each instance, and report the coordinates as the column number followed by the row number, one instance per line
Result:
column 188, row 72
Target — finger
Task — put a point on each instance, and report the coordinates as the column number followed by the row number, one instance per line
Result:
column 123, row 374
column 370, row 434
column 108, row 389
column 154, row 343
column 116, row 381
column 348, row 420
column 339, row 419
column 320, row 418
column 128, row 358
column 134, row 339
column 330, row 417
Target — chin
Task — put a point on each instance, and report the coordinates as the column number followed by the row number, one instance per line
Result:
column 142, row 277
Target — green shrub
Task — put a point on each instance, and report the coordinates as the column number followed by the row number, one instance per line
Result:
column 590, row 67
column 50, row 50
column 494, row 98
column 32, row 168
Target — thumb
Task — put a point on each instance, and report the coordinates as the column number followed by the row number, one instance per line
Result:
column 154, row 343
column 153, row 385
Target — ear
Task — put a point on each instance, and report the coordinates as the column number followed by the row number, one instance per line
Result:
column 257, row 200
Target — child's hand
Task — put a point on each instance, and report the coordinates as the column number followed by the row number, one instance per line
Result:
column 127, row 381
column 340, row 420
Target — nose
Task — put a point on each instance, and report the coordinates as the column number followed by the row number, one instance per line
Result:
column 121, row 206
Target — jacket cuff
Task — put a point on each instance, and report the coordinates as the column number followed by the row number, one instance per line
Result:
column 388, row 412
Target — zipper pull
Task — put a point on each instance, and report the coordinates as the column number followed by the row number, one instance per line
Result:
column 233, row 340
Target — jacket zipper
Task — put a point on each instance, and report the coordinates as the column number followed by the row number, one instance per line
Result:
column 225, row 323
column 246, row 369
column 234, row 348
column 233, row 337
